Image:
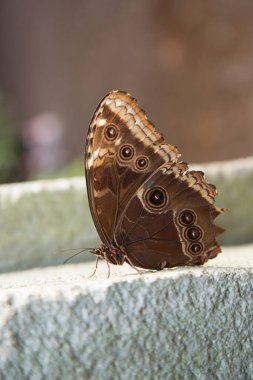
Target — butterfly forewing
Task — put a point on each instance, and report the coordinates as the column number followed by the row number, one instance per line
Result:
column 122, row 150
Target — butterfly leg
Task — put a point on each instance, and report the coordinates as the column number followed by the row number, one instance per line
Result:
column 108, row 267
column 134, row 267
column 107, row 262
column 96, row 267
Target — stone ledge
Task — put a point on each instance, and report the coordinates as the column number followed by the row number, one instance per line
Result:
column 41, row 219
column 190, row 323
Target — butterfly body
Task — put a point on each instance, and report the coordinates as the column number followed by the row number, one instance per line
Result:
column 111, row 253
column 149, row 209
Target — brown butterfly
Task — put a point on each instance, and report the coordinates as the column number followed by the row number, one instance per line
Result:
column 149, row 209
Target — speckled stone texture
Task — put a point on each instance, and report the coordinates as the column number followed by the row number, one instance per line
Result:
column 187, row 323
column 39, row 220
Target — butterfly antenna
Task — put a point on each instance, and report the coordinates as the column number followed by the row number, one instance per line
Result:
column 78, row 253
column 73, row 249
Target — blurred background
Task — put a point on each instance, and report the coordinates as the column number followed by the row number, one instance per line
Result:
column 189, row 64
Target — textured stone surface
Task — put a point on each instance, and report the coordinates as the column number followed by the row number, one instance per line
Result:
column 41, row 219
column 187, row 323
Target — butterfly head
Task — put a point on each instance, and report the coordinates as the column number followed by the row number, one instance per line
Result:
column 111, row 253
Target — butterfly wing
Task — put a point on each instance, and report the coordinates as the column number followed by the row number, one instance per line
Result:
column 122, row 150
column 169, row 220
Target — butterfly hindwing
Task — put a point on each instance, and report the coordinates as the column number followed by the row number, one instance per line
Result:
column 157, row 233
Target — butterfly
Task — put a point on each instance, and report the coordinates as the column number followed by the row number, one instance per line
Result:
column 149, row 209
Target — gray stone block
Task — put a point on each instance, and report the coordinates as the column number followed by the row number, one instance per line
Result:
column 183, row 323
column 41, row 219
